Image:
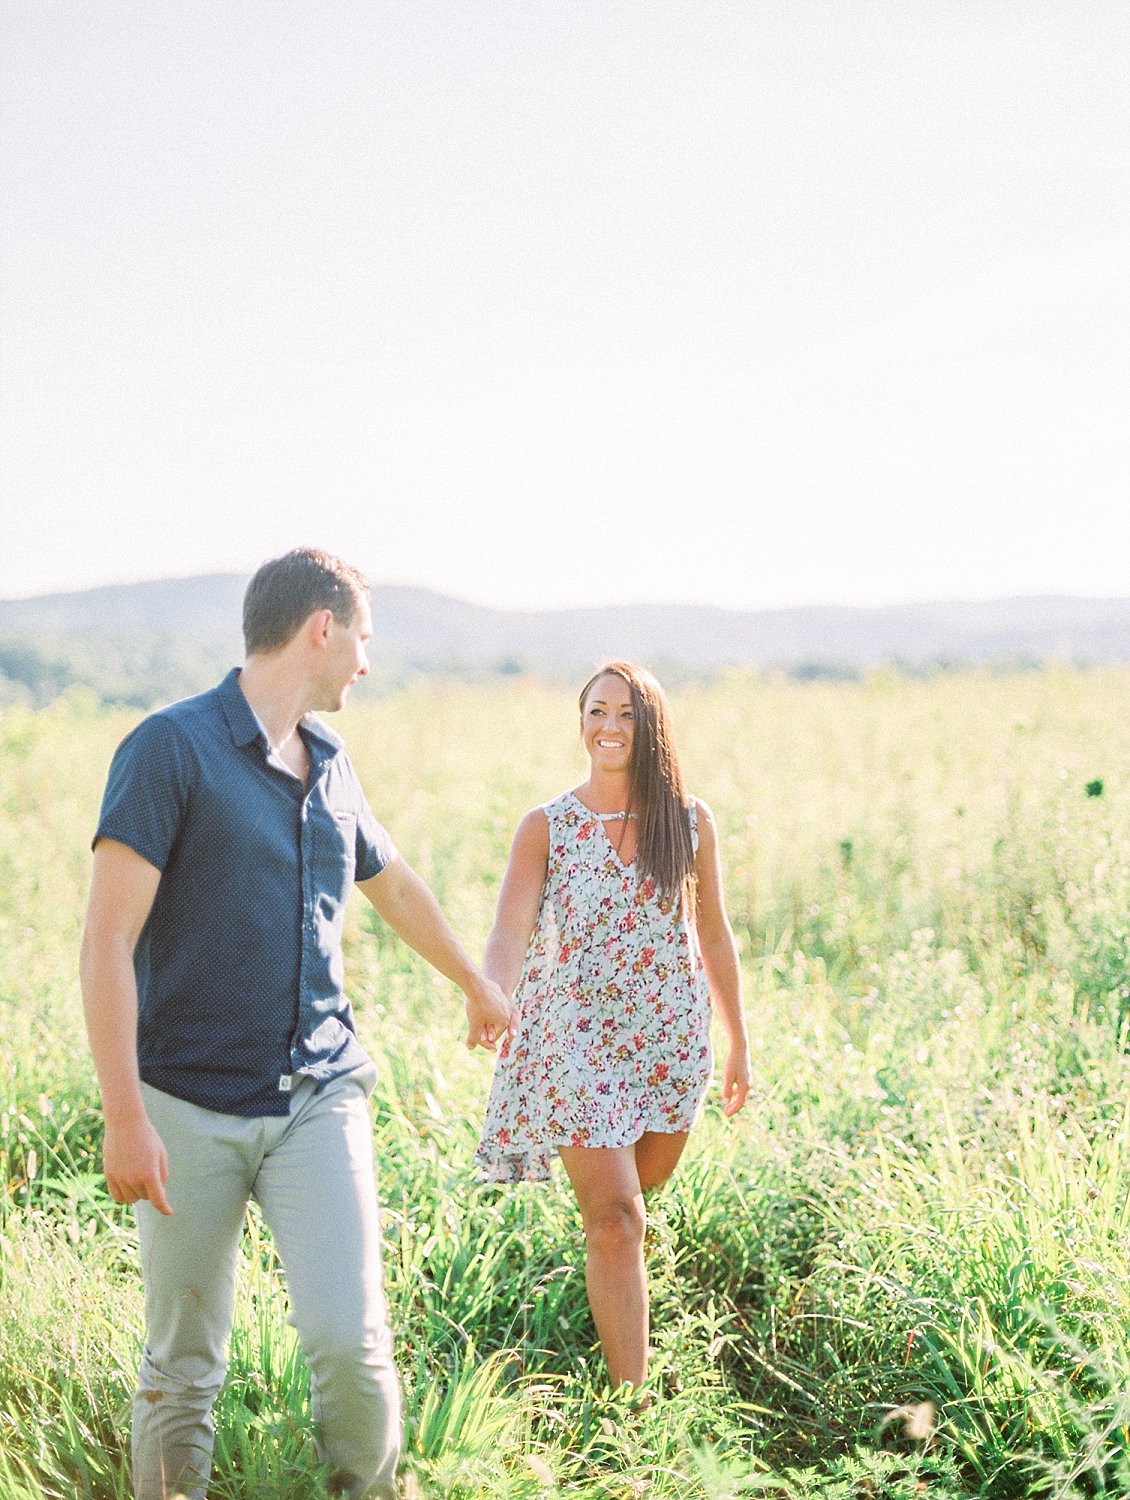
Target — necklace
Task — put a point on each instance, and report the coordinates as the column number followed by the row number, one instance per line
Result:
column 616, row 817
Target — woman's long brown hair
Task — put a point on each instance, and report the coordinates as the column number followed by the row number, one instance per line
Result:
column 664, row 851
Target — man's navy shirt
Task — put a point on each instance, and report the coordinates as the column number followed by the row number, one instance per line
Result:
column 239, row 964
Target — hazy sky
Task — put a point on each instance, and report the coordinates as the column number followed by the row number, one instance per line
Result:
column 752, row 303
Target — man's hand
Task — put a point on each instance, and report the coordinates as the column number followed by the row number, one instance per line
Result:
column 135, row 1163
column 490, row 1014
column 735, row 1079
column 122, row 889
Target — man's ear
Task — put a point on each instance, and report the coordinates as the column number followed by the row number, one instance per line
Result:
column 318, row 628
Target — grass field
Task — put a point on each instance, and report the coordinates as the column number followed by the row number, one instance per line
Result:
column 903, row 1271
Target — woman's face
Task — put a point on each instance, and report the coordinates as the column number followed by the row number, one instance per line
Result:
column 608, row 724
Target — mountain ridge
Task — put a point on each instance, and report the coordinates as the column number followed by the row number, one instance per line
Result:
column 148, row 643
column 430, row 629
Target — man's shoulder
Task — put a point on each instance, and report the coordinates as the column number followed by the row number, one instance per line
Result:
column 189, row 710
column 177, row 726
column 185, row 715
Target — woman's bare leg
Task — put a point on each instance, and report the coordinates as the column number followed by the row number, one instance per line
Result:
column 610, row 1185
column 608, row 1190
column 657, row 1156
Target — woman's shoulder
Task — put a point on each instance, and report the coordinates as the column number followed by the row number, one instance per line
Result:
column 539, row 820
column 564, row 804
column 544, row 827
column 698, row 810
column 565, row 819
column 531, row 838
column 704, row 833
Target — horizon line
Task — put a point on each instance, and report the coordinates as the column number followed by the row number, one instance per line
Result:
column 1043, row 596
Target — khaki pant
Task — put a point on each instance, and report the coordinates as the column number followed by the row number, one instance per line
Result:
column 311, row 1173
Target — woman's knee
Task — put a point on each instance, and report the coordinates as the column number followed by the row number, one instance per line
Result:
column 617, row 1226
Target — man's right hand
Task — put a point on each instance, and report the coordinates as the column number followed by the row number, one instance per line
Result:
column 135, row 1163
column 490, row 1014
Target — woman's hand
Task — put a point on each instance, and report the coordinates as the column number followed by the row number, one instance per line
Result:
column 735, row 1079
column 491, row 1014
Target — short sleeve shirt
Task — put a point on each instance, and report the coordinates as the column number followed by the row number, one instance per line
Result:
column 239, row 965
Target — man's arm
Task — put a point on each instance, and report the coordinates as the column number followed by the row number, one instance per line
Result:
column 122, row 889
column 401, row 898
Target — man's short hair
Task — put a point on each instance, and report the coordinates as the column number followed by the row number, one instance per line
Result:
column 287, row 590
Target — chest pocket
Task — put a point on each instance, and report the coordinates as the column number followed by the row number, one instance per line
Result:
column 336, row 843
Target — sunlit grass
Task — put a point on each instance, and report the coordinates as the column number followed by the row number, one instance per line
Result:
column 923, row 1206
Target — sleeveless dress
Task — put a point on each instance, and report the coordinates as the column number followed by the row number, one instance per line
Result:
column 613, row 1035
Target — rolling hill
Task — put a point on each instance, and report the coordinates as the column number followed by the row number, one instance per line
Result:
column 140, row 642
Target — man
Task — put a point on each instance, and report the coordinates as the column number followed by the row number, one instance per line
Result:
column 232, row 828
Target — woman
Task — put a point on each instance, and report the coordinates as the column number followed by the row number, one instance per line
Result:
column 612, row 933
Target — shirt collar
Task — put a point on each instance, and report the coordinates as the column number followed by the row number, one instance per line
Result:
column 243, row 722
column 326, row 739
column 241, row 718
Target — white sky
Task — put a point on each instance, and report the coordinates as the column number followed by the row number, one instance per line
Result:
column 756, row 303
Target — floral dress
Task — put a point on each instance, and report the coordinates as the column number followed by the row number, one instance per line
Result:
column 613, row 1035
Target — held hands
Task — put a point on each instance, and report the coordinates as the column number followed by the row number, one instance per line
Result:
column 490, row 1015
column 135, row 1163
column 735, row 1079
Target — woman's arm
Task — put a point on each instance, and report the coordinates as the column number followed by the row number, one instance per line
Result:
column 518, row 902
column 720, row 960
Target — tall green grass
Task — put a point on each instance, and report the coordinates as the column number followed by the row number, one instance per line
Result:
column 902, row 1271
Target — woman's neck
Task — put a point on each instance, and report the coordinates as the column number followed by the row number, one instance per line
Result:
column 604, row 793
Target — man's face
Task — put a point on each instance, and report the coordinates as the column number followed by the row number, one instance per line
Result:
column 347, row 658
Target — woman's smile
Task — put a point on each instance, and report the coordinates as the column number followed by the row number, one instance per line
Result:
column 608, row 722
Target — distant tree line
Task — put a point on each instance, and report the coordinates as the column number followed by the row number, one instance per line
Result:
column 144, row 671
column 130, row 671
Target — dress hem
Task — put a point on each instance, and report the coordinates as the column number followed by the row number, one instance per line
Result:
column 509, row 1166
